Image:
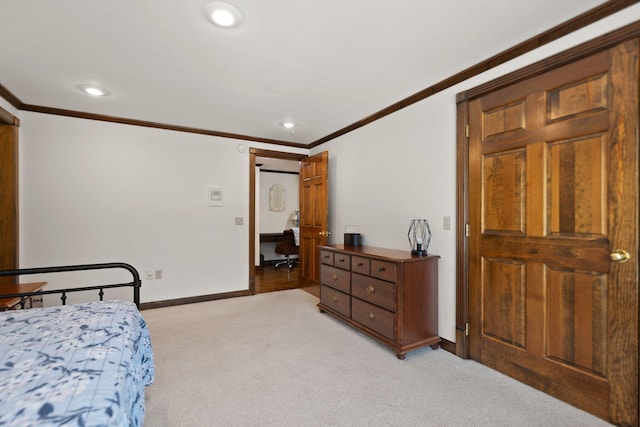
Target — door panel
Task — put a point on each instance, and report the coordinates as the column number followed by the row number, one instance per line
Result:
column 553, row 184
column 576, row 299
column 504, row 297
column 504, row 185
column 577, row 189
column 314, row 214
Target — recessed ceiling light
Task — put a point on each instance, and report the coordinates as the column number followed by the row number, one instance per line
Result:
column 288, row 124
column 94, row 90
column 222, row 14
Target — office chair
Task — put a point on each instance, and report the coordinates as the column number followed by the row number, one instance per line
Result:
column 287, row 247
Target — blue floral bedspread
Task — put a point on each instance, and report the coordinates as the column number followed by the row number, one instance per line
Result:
column 75, row 365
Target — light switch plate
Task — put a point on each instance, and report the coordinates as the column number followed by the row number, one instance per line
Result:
column 216, row 196
column 446, row 223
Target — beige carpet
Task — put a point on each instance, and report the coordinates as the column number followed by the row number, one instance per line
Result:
column 274, row 360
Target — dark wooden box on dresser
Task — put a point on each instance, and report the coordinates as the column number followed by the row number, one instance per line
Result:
column 388, row 294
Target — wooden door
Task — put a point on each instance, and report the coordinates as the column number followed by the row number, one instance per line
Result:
column 314, row 213
column 8, row 200
column 553, row 185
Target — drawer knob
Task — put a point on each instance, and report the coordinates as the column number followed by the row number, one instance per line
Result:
column 334, row 299
column 382, row 269
column 360, row 264
column 334, row 276
column 371, row 290
column 371, row 316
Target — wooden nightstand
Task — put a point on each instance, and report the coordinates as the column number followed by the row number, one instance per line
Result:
column 14, row 303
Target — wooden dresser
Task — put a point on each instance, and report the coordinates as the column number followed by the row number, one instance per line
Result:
column 388, row 294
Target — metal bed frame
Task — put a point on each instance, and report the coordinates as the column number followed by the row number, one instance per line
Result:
column 136, row 283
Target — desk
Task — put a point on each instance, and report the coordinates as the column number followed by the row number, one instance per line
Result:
column 13, row 303
column 270, row 237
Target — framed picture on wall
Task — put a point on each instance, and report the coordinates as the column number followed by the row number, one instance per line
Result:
column 276, row 198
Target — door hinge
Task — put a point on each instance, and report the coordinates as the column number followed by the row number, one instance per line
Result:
column 467, row 230
column 466, row 130
column 466, row 329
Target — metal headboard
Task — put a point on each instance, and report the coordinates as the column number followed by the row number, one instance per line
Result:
column 136, row 283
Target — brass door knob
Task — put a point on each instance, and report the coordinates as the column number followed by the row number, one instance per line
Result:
column 334, row 277
column 371, row 316
column 371, row 290
column 620, row 255
column 334, row 299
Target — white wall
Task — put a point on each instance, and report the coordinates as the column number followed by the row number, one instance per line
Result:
column 404, row 166
column 275, row 222
column 92, row 192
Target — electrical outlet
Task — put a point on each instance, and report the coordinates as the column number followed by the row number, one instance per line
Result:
column 158, row 274
column 149, row 275
column 239, row 220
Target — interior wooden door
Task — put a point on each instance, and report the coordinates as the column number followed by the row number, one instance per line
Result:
column 8, row 200
column 314, row 214
column 553, row 185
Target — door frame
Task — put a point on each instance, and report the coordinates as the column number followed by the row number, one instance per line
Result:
column 463, row 99
column 253, row 153
column 10, row 127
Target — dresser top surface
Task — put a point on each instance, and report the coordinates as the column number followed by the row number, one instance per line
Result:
column 382, row 253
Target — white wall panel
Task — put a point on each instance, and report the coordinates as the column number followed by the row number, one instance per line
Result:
column 99, row 192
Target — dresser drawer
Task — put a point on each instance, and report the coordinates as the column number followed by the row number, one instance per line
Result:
column 375, row 291
column 360, row 265
column 373, row 317
column 383, row 270
column 342, row 261
column 335, row 300
column 336, row 278
column 326, row 257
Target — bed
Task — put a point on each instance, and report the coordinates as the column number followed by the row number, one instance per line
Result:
column 79, row 365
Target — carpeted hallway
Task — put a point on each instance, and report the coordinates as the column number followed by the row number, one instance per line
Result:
column 273, row 360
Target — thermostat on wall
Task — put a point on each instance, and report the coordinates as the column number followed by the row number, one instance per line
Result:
column 215, row 196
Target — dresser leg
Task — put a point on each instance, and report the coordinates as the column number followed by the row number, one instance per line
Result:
column 400, row 356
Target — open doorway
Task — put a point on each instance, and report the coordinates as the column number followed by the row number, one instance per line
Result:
column 267, row 221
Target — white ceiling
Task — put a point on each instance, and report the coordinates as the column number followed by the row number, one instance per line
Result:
column 325, row 64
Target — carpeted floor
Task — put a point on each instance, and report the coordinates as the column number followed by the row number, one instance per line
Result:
column 274, row 360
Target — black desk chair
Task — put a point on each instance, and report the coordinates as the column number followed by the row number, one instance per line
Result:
column 287, row 247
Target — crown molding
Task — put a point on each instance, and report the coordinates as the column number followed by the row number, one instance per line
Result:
column 155, row 125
